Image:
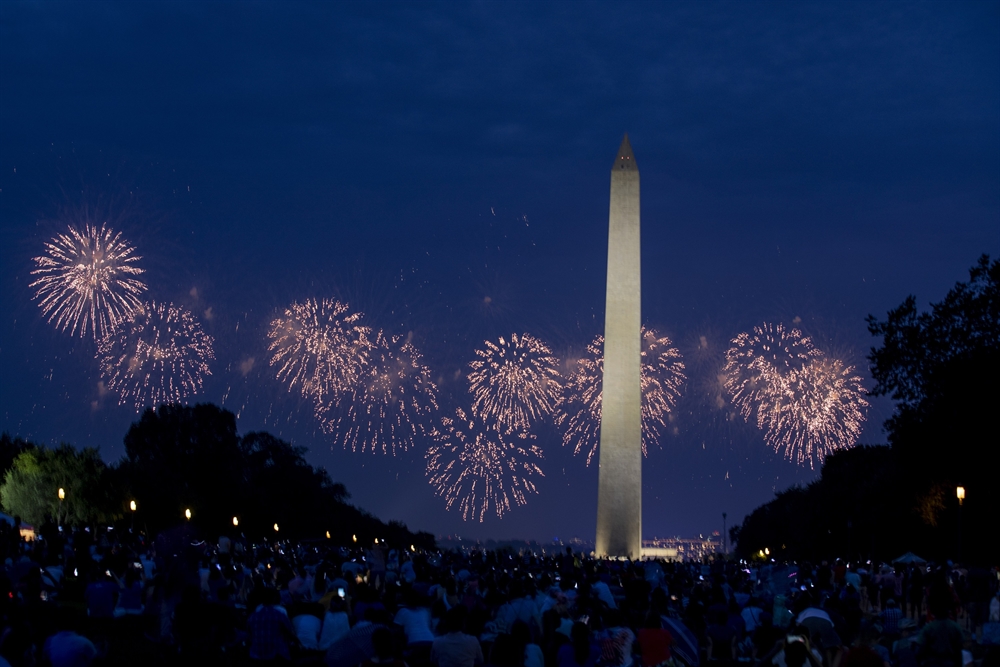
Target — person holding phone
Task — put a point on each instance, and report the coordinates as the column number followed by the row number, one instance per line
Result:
column 795, row 650
column 336, row 623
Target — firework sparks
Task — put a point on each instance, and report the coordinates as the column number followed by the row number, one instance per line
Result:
column 86, row 280
column 319, row 349
column 661, row 379
column 816, row 410
column 477, row 468
column 514, row 383
column 755, row 364
column 159, row 356
column 808, row 405
column 393, row 396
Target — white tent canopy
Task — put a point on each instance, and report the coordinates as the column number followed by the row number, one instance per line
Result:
column 909, row 558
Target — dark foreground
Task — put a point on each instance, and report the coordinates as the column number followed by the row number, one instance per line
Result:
column 85, row 599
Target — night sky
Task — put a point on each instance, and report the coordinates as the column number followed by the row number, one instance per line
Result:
column 445, row 169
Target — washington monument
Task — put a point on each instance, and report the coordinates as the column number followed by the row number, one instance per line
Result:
column 619, row 490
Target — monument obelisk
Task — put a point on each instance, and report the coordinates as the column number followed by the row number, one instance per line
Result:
column 619, row 490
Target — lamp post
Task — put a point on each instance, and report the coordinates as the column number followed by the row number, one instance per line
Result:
column 132, row 506
column 960, row 494
column 187, row 513
column 236, row 521
column 62, row 496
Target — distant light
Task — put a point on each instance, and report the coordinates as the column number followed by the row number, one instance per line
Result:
column 960, row 494
column 354, row 537
column 767, row 551
column 62, row 493
column 132, row 506
column 187, row 514
column 236, row 521
column 328, row 534
column 412, row 548
column 275, row 527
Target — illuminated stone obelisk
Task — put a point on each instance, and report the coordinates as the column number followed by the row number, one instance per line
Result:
column 619, row 491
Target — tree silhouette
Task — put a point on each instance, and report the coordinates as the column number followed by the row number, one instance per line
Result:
column 942, row 368
column 182, row 457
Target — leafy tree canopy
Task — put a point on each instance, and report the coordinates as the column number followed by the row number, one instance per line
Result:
column 9, row 450
column 917, row 348
column 190, row 457
column 31, row 486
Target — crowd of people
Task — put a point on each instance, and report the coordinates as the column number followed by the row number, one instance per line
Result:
column 98, row 598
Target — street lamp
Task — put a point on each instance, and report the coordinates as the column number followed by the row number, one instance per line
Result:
column 187, row 514
column 236, row 521
column 132, row 506
column 62, row 496
column 960, row 494
column 328, row 534
column 275, row 527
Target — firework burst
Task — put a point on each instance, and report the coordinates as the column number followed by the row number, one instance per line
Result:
column 392, row 397
column 815, row 411
column 662, row 377
column 756, row 362
column 514, row 383
column 478, row 468
column 86, row 280
column 319, row 349
column 807, row 404
column 159, row 356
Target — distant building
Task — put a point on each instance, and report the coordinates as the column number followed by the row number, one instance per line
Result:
column 684, row 548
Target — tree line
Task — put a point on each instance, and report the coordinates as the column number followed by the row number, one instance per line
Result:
column 941, row 368
column 180, row 458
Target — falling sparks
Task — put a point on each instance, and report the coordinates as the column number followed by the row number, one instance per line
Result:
column 807, row 404
column 478, row 468
column 393, row 397
column 159, row 356
column 755, row 363
column 662, row 376
column 514, row 383
column 319, row 349
column 580, row 410
column 86, row 281
column 816, row 410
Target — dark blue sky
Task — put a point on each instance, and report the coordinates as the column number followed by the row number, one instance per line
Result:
column 811, row 160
